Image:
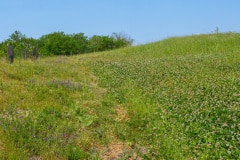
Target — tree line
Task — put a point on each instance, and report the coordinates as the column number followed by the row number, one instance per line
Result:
column 59, row 43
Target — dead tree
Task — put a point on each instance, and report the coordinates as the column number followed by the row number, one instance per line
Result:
column 34, row 53
column 10, row 54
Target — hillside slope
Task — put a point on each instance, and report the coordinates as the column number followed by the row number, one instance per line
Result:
column 174, row 99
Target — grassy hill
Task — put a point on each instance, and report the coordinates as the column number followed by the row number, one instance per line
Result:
column 174, row 99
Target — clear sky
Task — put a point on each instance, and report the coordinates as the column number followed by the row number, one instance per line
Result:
column 143, row 20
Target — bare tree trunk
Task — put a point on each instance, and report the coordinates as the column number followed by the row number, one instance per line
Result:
column 10, row 54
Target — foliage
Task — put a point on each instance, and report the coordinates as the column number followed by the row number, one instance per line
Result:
column 3, row 49
column 59, row 43
column 121, row 39
column 20, row 42
column 100, row 43
column 173, row 99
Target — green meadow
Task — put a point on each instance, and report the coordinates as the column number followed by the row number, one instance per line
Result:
column 178, row 98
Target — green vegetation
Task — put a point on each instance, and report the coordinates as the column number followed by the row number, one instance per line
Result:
column 59, row 43
column 174, row 99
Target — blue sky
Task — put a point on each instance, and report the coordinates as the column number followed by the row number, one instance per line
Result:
column 143, row 20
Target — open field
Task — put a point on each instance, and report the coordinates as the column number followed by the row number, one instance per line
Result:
column 174, row 99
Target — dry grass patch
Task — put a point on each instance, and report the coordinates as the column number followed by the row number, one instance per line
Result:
column 118, row 150
column 122, row 114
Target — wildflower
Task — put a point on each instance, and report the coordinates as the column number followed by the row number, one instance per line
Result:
column 66, row 137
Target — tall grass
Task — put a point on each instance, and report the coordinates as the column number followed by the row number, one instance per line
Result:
column 173, row 99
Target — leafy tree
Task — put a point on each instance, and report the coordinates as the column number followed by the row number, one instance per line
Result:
column 107, row 43
column 81, row 42
column 20, row 42
column 41, row 45
column 100, row 43
column 94, row 44
column 17, row 36
column 121, row 40
column 53, row 44
column 17, row 40
column 23, row 46
column 59, row 43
